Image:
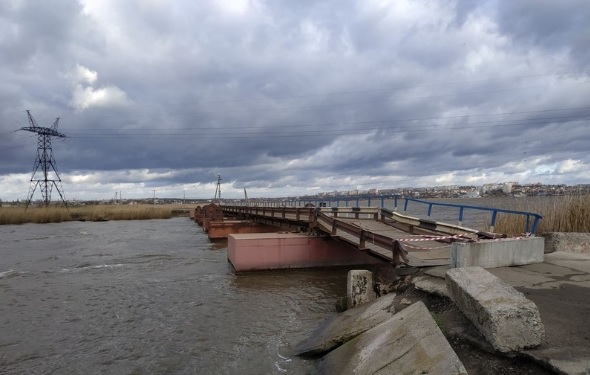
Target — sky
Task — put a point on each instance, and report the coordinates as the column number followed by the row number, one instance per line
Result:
column 292, row 98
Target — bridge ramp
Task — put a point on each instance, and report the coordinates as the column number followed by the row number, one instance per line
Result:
column 419, row 253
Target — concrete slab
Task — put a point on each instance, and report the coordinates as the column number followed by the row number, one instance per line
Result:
column 507, row 319
column 439, row 271
column 564, row 311
column 547, row 269
column 521, row 277
column 408, row 343
column 564, row 360
column 347, row 325
column 431, row 284
column 579, row 262
column 497, row 253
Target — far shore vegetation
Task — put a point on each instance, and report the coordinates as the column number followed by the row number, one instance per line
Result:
column 560, row 214
column 56, row 214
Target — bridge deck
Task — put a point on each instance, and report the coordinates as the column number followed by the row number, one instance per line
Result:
column 419, row 254
column 367, row 229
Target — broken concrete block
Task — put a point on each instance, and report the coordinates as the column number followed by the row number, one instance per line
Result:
column 359, row 287
column 408, row 343
column 432, row 285
column 506, row 318
column 346, row 326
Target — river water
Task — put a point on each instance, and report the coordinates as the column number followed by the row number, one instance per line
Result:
column 149, row 297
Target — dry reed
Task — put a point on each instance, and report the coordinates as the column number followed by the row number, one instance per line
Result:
column 17, row 215
column 560, row 214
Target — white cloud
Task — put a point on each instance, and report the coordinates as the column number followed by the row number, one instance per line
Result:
column 571, row 166
column 86, row 96
column 85, row 75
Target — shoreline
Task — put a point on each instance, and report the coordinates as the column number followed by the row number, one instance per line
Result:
column 94, row 213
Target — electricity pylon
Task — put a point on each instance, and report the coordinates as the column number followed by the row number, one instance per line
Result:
column 45, row 161
column 218, row 191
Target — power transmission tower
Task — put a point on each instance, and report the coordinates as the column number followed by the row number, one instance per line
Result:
column 218, row 190
column 45, row 161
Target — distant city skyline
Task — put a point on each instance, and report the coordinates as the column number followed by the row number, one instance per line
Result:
column 430, row 191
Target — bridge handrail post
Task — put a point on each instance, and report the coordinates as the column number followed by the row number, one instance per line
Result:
column 535, row 224
column 397, row 254
column 362, row 239
column 493, row 220
column 313, row 218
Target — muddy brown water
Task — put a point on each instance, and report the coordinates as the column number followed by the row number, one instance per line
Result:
column 154, row 296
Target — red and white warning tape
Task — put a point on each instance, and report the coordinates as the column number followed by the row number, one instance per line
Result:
column 405, row 240
column 430, row 238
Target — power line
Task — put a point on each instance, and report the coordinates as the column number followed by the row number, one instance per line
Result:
column 408, row 87
column 394, row 125
column 305, row 133
column 292, row 126
column 348, row 103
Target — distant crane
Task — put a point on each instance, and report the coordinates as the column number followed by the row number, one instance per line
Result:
column 44, row 160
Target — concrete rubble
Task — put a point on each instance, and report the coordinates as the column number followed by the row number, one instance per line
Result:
column 431, row 284
column 408, row 343
column 346, row 326
column 507, row 319
column 559, row 287
column 492, row 300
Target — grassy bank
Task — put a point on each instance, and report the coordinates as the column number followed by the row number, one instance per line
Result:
column 560, row 214
column 17, row 215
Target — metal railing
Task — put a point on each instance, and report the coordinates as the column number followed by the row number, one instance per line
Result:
column 530, row 227
column 531, row 219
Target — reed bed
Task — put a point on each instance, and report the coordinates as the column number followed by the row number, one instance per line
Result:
column 18, row 215
column 560, row 214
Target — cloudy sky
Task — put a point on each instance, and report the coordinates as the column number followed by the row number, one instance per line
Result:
column 294, row 97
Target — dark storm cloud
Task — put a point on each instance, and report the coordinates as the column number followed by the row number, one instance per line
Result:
column 275, row 95
column 552, row 25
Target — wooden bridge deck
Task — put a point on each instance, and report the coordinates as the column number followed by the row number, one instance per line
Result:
column 393, row 237
column 419, row 254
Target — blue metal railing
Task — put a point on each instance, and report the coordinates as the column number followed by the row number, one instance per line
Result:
column 531, row 219
column 529, row 227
